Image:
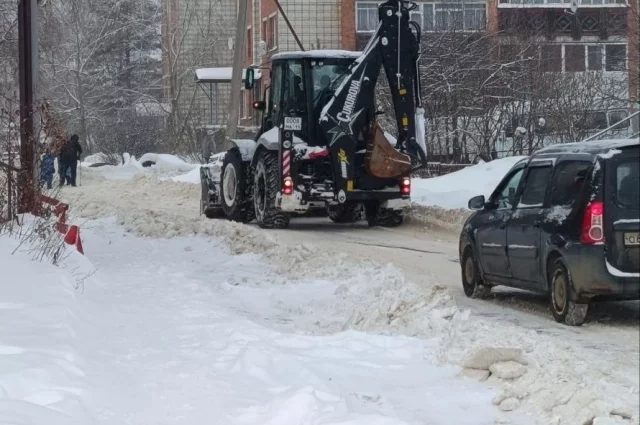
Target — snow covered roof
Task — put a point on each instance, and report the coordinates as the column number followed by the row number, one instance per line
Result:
column 317, row 54
column 220, row 74
column 591, row 146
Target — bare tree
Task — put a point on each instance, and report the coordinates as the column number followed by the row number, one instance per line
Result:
column 195, row 35
column 102, row 61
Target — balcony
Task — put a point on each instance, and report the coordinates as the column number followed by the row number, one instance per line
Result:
column 552, row 22
column 552, row 4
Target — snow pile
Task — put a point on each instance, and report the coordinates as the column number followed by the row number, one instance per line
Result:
column 455, row 189
column 164, row 165
column 42, row 379
column 192, row 177
column 167, row 162
column 96, row 158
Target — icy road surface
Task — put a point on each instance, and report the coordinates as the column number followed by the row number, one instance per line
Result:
column 573, row 374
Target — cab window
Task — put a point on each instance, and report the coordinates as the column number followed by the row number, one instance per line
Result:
column 294, row 89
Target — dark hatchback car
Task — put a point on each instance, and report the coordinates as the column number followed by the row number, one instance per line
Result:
column 564, row 221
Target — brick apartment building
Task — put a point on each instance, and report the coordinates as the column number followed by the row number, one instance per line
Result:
column 602, row 36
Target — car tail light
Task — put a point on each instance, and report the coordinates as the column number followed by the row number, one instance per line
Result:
column 288, row 186
column 405, row 186
column 592, row 230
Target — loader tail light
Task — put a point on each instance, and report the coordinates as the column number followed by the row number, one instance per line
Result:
column 288, row 186
column 592, row 231
column 405, row 186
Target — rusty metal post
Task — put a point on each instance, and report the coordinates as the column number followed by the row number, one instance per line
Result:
column 28, row 45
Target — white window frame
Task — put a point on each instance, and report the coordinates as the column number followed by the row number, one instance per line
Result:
column 603, row 56
column 274, row 31
column 626, row 56
column 358, row 3
column 556, row 3
column 458, row 8
column 250, row 43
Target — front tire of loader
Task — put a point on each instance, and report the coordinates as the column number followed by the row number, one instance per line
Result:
column 265, row 189
column 237, row 206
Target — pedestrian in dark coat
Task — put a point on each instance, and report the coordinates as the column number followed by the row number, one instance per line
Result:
column 69, row 159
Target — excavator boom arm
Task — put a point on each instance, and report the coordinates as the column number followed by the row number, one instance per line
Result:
column 349, row 115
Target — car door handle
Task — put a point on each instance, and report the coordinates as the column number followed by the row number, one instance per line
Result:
column 536, row 224
column 503, row 226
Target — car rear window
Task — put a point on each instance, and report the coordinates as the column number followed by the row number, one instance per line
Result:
column 628, row 183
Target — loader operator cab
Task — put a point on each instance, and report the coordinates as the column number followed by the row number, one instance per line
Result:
column 301, row 85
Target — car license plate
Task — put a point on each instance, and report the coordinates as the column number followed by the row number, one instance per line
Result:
column 632, row 238
column 293, row 123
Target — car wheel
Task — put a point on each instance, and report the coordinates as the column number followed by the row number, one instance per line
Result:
column 563, row 308
column 471, row 281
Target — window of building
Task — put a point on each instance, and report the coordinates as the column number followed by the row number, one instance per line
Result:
column 594, row 58
column 617, row 116
column 592, row 120
column 268, row 35
column 616, row 57
column 272, row 32
column 454, row 16
column 249, row 43
column 574, row 60
column 366, row 17
column 551, row 58
column 428, row 17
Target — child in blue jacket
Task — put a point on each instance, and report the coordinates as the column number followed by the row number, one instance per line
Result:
column 47, row 168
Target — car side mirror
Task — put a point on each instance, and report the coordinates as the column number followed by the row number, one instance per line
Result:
column 260, row 105
column 477, row 202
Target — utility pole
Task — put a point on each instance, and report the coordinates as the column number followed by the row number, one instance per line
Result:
column 236, row 76
column 28, row 45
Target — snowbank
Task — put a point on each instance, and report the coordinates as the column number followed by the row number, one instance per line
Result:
column 455, row 189
column 96, row 158
column 167, row 162
column 41, row 373
column 192, row 177
column 165, row 165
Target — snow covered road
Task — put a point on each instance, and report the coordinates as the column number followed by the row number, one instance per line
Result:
column 573, row 374
column 187, row 336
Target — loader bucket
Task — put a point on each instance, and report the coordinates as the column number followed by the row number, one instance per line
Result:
column 381, row 159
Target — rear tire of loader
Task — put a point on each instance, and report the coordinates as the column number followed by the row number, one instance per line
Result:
column 265, row 189
column 235, row 197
